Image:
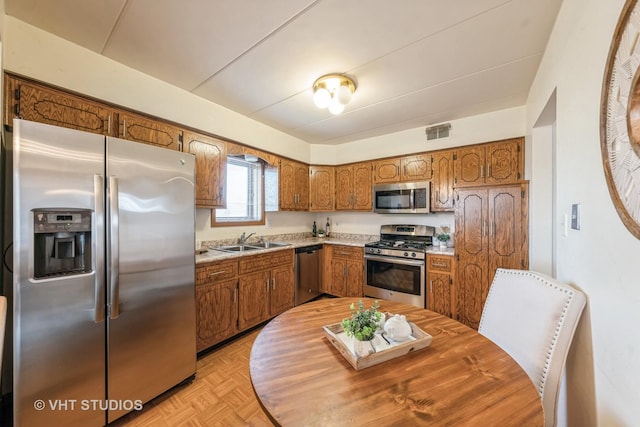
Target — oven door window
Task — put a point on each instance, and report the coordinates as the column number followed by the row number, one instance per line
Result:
column 394, row 276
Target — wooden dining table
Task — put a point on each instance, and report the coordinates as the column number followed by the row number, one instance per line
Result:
column 460, row 379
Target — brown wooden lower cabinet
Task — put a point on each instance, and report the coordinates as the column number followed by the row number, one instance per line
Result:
column 253, row 301
column 234, row 295
column 216, row 303
column 441, row 284
column 343, row 270
column 266, row 287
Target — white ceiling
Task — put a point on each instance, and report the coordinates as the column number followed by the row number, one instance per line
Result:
column 416, row 62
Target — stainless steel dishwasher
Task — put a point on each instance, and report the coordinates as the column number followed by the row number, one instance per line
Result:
column 308, row 273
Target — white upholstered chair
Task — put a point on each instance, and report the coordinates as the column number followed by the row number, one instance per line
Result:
column 533, row 318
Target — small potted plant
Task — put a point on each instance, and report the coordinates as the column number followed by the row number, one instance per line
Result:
column 321, row 232
column 444, row 236
column 362, row 326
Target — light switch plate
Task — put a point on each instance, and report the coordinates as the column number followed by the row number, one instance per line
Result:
column 575, row 216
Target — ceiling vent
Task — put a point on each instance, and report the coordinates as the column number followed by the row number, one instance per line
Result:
column 437, row 132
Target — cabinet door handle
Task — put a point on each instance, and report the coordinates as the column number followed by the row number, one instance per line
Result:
column 235, row 290
column 488, row 170
column 491, row 226
column 431, row 286
column 273, row 283
column 109, row 125
column 215, row 273
column 267, row 285
column 439, row 264
column 482, row 171
column 124, row 128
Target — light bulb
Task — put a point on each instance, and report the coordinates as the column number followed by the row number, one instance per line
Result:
column 322, row 97
column 335, row 107
column 344, row 94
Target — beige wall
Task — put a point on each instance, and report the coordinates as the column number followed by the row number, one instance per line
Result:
column 603, row 375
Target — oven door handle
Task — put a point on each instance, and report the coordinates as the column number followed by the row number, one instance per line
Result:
column 392, row 260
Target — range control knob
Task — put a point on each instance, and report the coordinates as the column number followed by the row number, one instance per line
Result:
column 406, row 254
column 379, row 251
column 413, row 254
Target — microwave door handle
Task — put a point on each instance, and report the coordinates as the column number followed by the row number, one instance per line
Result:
column 412, row 196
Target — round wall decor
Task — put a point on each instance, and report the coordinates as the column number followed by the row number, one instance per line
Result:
column 620, row 118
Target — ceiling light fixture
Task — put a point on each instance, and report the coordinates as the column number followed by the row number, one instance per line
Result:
column 333, row 91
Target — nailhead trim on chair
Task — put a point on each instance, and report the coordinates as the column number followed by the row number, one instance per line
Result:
column 543, row 378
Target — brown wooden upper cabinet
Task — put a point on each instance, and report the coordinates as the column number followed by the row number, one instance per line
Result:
column 500, row 162
column 321, row 188
column 442, row 183
column 293, row 180
column 403, row 169
column 211, row 166
column 386, row 170
column 38, row 103
column 354, row 187
column 146, row 130
column 416, row 168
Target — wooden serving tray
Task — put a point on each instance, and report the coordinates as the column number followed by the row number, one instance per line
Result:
column 385, row 349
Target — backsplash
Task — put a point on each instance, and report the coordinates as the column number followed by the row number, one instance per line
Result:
column 290, row 237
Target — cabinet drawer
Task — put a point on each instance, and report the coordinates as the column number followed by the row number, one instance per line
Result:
column 439, row 263
column 347, row 251
column 216, row 272
column 250, row 264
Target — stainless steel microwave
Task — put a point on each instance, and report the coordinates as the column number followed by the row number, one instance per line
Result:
column 401, row 198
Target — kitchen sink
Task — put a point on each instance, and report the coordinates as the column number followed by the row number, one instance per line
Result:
column 236, row 248
column 267, row 245
column 251, row 247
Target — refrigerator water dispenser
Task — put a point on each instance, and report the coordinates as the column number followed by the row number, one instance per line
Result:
column 62, row 242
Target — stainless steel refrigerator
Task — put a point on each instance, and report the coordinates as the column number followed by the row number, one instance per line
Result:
column 103, row 275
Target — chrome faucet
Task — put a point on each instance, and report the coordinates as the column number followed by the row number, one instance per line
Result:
column 242, row 240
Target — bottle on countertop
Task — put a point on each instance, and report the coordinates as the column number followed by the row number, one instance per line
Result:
column 314, row 230
column 327, row 228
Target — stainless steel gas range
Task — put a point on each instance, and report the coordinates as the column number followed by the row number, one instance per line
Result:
column 395, row 266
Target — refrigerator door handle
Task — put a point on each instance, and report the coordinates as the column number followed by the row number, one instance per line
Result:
column 99, row 286
column 114, row 277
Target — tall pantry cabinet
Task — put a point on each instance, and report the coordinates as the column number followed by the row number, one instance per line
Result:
column 491, row 232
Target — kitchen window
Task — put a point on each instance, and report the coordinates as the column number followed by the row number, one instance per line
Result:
column 245, row 194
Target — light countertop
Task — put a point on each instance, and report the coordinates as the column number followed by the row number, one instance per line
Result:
column 213, row 255
column 295, row 242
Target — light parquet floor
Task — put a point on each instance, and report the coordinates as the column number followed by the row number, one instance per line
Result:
column 221, row 394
